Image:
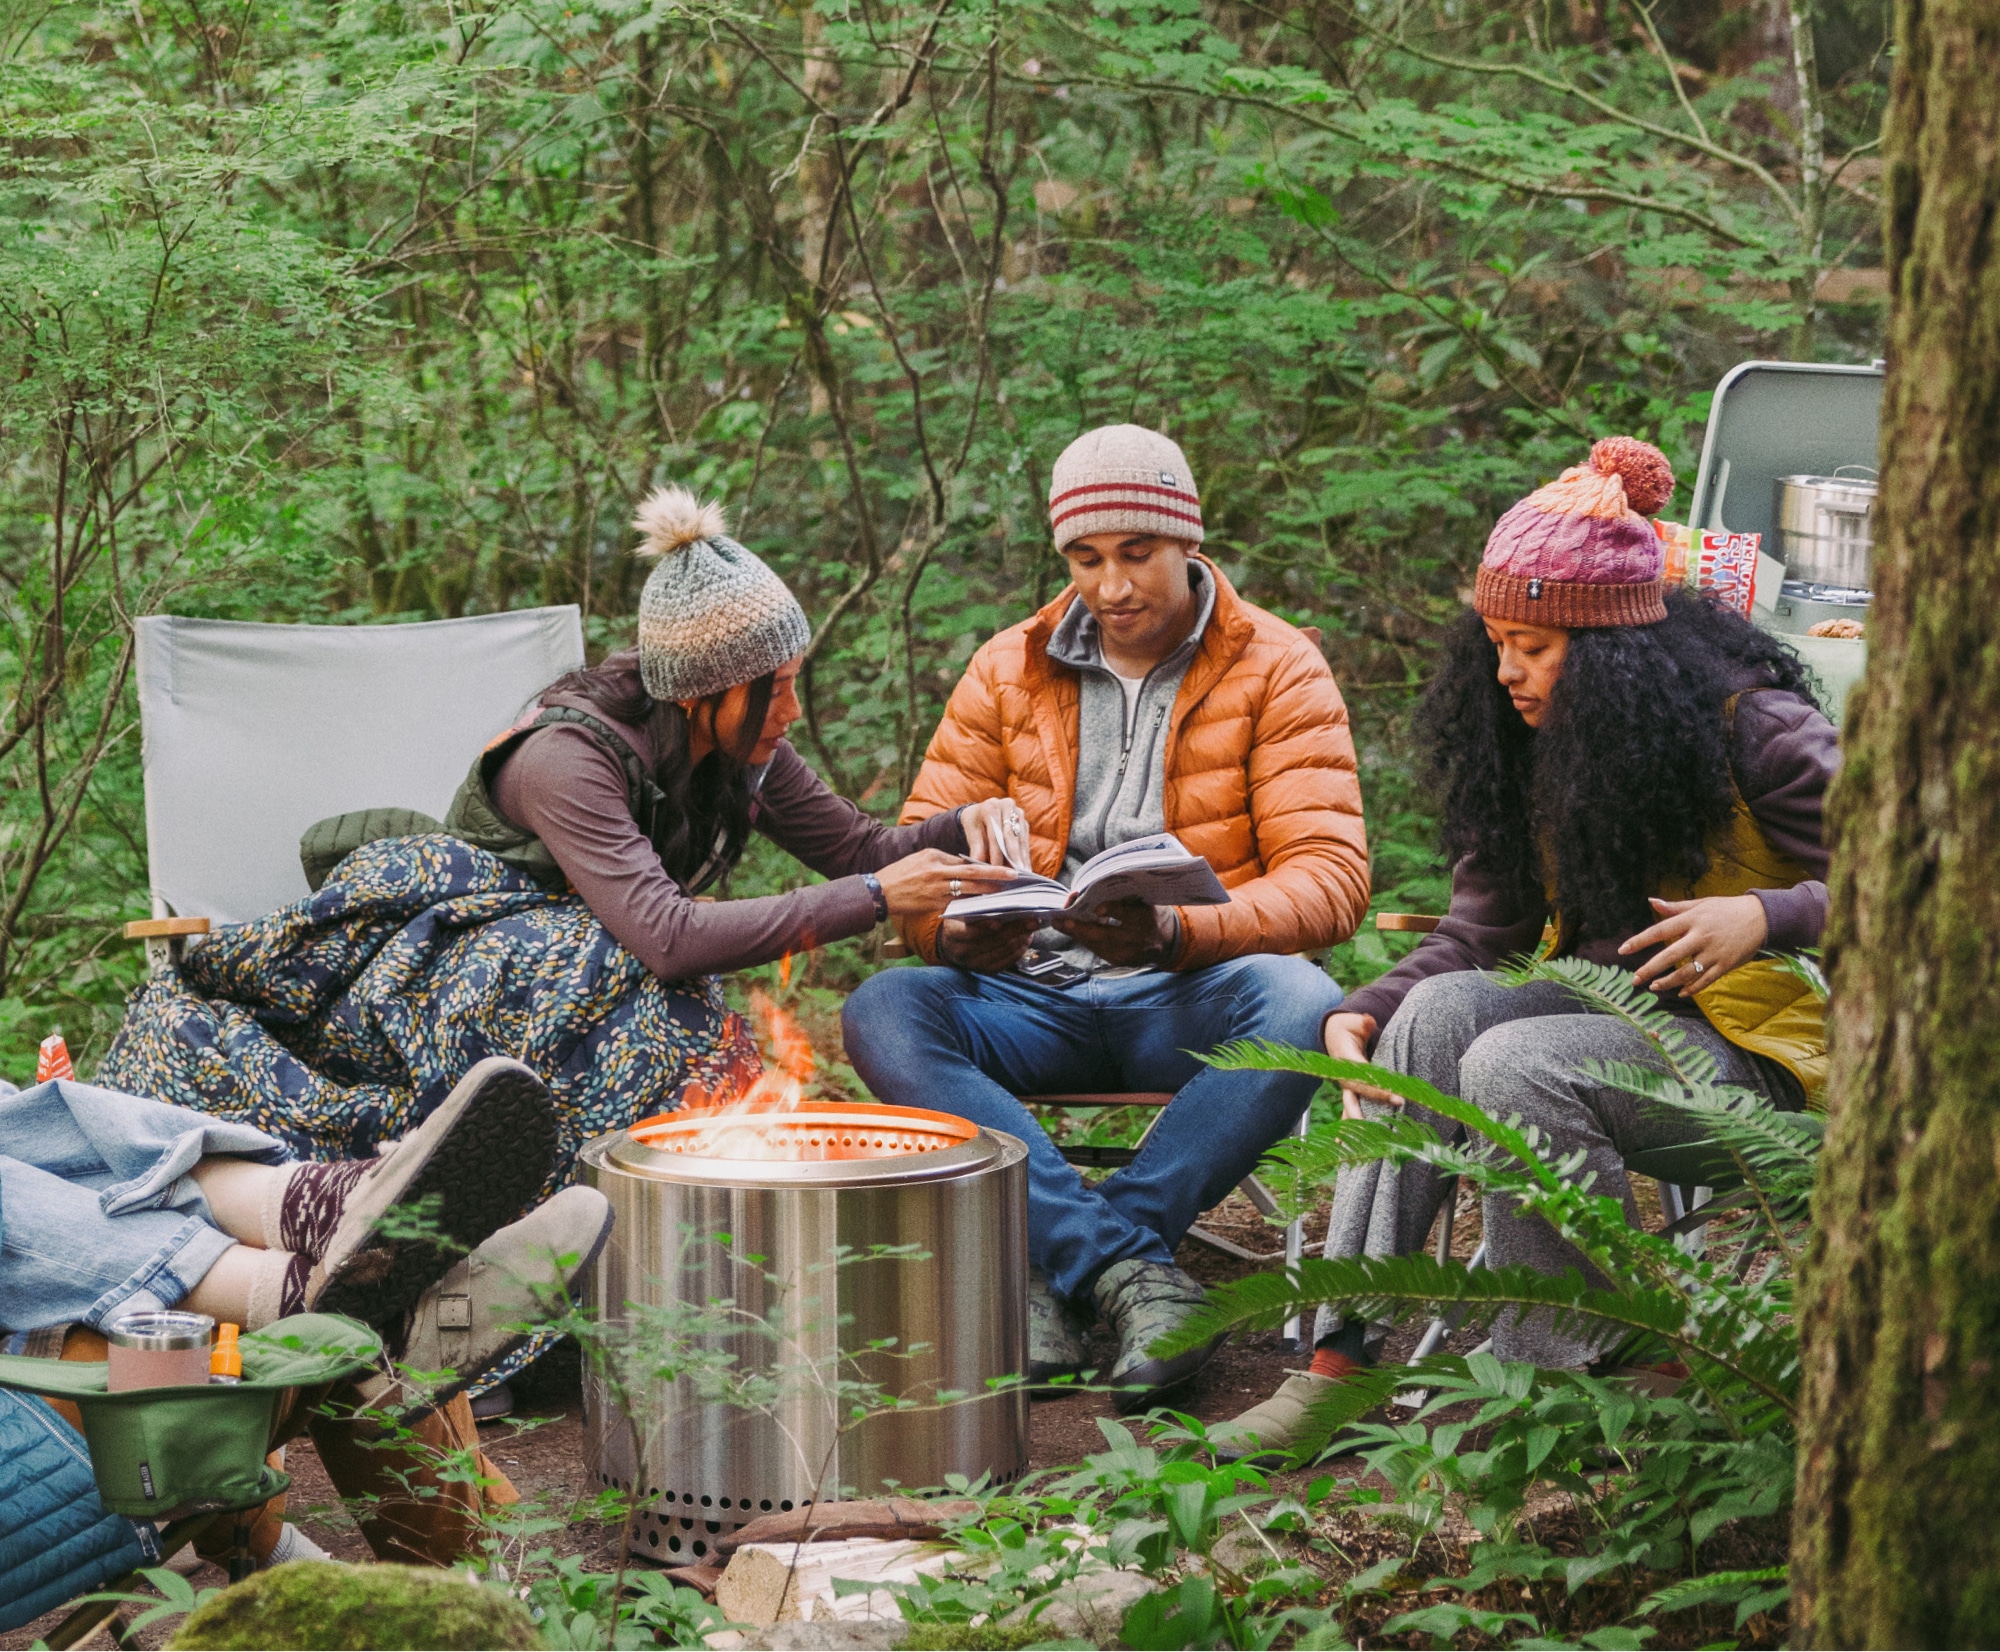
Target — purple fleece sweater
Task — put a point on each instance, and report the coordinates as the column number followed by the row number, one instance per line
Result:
column 1785, row 754
column 566, row 789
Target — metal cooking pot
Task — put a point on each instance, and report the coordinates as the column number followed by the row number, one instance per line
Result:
column 792, row 1247
column 1823, row 528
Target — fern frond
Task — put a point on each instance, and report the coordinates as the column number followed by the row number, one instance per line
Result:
column 1614, row 991
column 1779, row 1150
column 1766, row 1587
column 1260, row 1055
column 1805, row 965
column 1397, row 1288
column 1329, row 1148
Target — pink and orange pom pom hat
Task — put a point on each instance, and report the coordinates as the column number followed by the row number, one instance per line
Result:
column 1580, row 552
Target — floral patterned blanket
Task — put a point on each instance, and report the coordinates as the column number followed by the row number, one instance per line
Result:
column 342, row 1020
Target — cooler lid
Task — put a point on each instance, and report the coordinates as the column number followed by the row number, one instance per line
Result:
column 1779, row 418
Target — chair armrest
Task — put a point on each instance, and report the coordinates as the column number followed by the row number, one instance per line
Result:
column 1101, row 1098
column 147, row 929
column 165, row 939
column 1414, row 923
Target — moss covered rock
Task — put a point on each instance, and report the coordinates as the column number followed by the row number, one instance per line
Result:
column 314, row 1603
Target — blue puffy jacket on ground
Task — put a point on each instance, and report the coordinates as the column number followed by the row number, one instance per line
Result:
column 56, row 1539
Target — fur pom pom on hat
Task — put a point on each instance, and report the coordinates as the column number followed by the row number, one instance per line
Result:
column 1579, row 552
column 712, row 615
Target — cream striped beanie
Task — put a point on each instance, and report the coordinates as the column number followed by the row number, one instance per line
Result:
column 1123, row 478
column 711, row 615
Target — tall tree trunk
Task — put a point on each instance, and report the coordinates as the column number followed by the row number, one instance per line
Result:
column 1897, row 1533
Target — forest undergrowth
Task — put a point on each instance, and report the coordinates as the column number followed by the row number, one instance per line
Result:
column 359, row 314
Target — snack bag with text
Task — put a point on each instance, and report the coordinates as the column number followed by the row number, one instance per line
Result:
column 1726, row 563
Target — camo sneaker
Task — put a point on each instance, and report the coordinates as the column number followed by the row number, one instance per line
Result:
column 1055, row 1345
column 1143, row 1302
column 490, row 1302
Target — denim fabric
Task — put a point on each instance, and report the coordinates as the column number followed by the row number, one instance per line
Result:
column 98, row 1214
column 971, row 1044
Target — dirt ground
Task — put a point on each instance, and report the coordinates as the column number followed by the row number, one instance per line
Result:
column 541, row 1447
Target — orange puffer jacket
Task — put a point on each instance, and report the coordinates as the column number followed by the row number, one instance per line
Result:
column 1260, row 775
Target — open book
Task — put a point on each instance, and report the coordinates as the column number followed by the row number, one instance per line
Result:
column 1156, row 870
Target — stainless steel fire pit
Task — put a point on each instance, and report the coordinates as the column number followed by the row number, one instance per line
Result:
column 785, row 1216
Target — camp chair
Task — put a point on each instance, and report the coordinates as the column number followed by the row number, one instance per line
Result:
column 193, row 1458
column 1685, row 1176
column 254, row 732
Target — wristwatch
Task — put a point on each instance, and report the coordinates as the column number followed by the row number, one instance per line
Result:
column 881, row 900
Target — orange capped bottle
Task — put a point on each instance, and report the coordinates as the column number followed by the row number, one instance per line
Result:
column 225, row 1359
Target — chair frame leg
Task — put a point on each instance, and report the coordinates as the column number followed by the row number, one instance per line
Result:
column 1677, row 1204
column 1293, row 1335
column 1434, row 1333
column 92, row 1615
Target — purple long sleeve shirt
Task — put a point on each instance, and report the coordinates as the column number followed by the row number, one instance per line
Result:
column 1784, row 755
column 564, row 787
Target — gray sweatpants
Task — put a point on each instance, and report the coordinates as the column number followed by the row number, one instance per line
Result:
column 1516, row 1050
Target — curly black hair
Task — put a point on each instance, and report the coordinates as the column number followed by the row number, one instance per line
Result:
column 1628, row 777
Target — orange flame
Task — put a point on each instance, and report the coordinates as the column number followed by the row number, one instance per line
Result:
column 779, row 1089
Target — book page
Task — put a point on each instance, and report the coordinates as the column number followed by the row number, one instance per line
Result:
column 1157, row 870
column 1190, row 882
column 1022, row 897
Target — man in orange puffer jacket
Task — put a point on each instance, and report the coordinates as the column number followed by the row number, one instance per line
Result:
column 1147, row 697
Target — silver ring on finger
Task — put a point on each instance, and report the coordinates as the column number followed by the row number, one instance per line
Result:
column 954, row 886
column 1699, row 966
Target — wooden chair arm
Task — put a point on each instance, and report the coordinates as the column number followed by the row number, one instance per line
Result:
column 165, row 939
column 1102, row 1098
column 1408, row 923
column 157, row 929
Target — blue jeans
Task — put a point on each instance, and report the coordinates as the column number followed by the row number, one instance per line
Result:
column 98, row 1214
column 971, row 1044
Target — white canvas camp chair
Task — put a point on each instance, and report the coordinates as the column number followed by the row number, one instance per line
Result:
column 254, row 732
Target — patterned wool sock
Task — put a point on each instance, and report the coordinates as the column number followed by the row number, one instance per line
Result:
column 303, row 1208
column 279, row 1289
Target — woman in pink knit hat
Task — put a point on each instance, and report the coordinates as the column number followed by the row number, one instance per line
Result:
column 1629, row 774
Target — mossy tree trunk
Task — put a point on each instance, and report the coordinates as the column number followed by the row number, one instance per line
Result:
column 1897, row 1533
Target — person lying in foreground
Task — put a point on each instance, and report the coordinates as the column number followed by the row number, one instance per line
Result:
column 1641, row 771
column 1147, row 697
column 114, row 1204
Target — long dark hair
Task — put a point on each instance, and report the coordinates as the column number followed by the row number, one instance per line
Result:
column 701, row 819
column 1628, row 777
